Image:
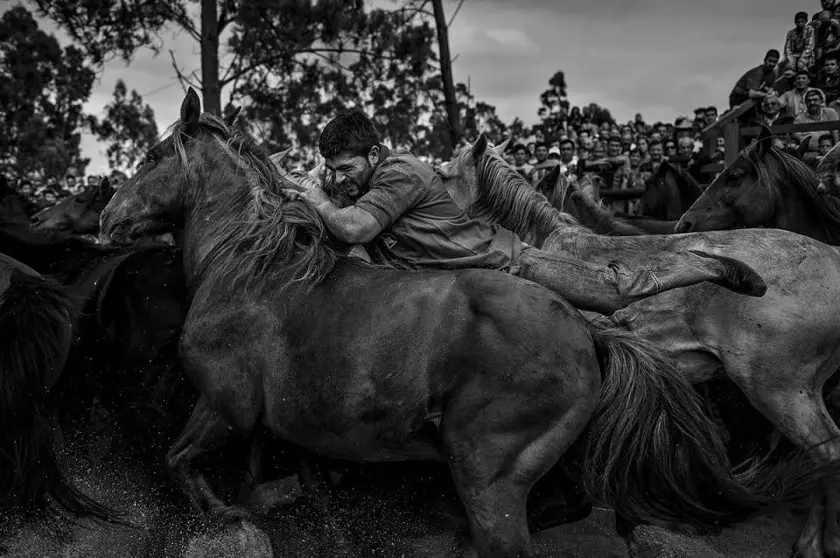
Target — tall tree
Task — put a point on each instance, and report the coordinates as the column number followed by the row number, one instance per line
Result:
column 128, row 126
column 554, row 108
column 445, row 56
column 42, row 91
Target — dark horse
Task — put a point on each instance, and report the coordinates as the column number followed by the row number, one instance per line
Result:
column 494, row 375
column 35, row 336
column 670, row 191
column 77, row 214
column 766, row 187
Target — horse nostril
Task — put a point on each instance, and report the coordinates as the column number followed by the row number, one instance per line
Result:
column 34, row 221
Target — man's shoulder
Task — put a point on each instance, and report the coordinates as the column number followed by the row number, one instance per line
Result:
column 403, row 164
column 831, row 114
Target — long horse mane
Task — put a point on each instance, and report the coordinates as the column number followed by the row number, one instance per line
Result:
column 801, row 177
column 259, row 227
column 505, row 197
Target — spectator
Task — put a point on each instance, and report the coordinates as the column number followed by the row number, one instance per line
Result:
column 684, row 128
column 670, row 148
column 793, row 101
column 826, row 31
column 768, row 112
column 711, row 115
column 816, row 112
column 657, row 154
column 799, row 45
column 568, row 159
column 599, row 151
column 117, row 178
column 643, row 145
column 520, row 161
column 826, row 142
column 757, row 82
column 635, row 159
column 69, row 183
column 544, row 162
column 829, row 80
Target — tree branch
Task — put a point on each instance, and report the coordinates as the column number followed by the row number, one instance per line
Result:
column 181, row 78
column 316, row 51
column 458, row 9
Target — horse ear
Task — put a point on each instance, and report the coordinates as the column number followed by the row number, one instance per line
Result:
column 479, row 147
column 500, row 149
column 764, row 139
column 232, row 116
column 765, row 134
column 190, row 111
column 803, row 147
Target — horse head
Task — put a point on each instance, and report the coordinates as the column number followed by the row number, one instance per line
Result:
column 749, row 192
column 77, row 214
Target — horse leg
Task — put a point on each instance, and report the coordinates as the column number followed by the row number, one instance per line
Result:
column 494, row 463
column 205, row 431
column 801, row 416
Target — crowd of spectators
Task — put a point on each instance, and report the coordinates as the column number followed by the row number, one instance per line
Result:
column 623, row 155
column 801, row 87
column 41, row 193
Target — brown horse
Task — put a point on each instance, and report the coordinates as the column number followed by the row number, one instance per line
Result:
column 670, row 191
column 766, row 187
column 779, row 349
column 492, row 374
column 78, row 214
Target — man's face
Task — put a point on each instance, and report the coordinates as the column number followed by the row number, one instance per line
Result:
column 567, row 152
column 656, row 152
column 541, row 153
column 50, row 198
column 351, row 172
column 614, row 148
column 800, row 22
column 520, row 156
column 663, row 130
column 51, row 181
column 642, row 145
column 598, row 151
column 71, row 181
column 830, row 66
column 711, row 117
column 825, row 146
column 770, row 63
column 635, row 158
column 813, row 102
column 801, row 82
column 686, row 147
column 827, row 4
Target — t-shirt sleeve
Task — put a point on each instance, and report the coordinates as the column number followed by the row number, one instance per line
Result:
column 394, row 189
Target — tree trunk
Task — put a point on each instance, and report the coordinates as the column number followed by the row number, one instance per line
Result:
column 211, row 88
column 452, row 112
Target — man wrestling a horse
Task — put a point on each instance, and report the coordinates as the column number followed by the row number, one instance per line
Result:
column 406, row 219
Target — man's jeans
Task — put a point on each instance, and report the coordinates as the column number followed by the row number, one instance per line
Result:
column 606, row 288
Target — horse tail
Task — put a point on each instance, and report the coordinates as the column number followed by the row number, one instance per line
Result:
column 35, row 336
column 651, row 450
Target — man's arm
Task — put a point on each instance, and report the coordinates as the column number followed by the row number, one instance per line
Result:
column 352, row 224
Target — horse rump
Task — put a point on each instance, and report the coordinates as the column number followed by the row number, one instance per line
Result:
column 35, row 336
column 650, row 450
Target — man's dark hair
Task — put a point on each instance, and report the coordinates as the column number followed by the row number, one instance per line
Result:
column 772, row 52
column 540, row 144
column 567, row 141
column 655, row 142
column 832, row 56
column 800, row 15
column 351, row 131
column 701, row 110
column 712, row 108
column 616, row 139
column 802, row 72
column 826, row 137
column 520, row 147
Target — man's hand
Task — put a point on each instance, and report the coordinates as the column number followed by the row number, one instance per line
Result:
column 315, row 197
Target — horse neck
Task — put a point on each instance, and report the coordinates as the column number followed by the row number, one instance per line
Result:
column 795, row 213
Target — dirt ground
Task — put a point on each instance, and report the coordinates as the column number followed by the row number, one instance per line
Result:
column 393, row 521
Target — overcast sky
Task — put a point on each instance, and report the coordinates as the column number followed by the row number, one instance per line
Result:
column 662, row 58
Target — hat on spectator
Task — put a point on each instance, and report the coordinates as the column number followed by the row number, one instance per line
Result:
column 554, row 151
column 684, row 123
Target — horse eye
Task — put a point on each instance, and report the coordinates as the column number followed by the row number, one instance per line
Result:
column 80, row 200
